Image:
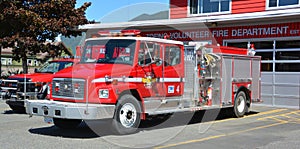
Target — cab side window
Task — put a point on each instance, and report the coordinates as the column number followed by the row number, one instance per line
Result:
column 149, row 52
column 172, row 55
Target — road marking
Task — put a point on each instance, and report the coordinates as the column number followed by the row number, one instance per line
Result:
column 267, row 112
column 248, row 116
column 279, row 122
column 191, row 141
column 219, row 136
column 285, row 117
column 256, row 128
column 296, row 113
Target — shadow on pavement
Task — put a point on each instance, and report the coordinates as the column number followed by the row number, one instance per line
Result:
column 13, row 112
column 81, row 132
column 100, row 128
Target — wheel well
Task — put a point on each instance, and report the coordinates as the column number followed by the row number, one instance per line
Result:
column 247, row 92
column 131, row 92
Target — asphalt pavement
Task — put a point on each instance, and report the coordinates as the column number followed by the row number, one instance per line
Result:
column 264, row 128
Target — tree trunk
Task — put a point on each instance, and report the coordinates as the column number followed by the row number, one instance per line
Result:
column 1, row 62
column 24, row 64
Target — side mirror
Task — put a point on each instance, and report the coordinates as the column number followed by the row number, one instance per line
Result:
column 158, row 61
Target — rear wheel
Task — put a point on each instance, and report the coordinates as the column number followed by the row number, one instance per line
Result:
column 240, row 104
column 66, row 123
column 127, row 116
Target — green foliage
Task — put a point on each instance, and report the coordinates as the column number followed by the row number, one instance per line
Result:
column 25, row 25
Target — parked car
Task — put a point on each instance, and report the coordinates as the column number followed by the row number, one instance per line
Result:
column 16, row 88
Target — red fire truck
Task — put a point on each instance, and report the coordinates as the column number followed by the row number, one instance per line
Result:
column 31, row 86
column 130, row 78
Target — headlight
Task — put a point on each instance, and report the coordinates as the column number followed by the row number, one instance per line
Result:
column 76, row 87
column 103, row 93
column 57, row 87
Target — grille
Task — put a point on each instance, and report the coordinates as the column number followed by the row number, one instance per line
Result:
column 14, row 84
column 68, row 88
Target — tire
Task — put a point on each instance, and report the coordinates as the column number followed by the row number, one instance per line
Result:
column 240, row 104
column 66, row 123
column 127, row 117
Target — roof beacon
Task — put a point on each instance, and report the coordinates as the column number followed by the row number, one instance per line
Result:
column 131, row 32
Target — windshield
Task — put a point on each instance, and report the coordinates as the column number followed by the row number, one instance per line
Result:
column 120, row 51
column 52, row 67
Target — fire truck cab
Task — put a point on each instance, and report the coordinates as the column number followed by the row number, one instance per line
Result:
column 130, row 78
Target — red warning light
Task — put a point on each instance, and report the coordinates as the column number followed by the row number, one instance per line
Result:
column 131, row 32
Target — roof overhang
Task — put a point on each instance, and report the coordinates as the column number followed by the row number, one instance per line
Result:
column 223, row 20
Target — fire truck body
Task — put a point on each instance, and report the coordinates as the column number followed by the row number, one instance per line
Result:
column 129, row 78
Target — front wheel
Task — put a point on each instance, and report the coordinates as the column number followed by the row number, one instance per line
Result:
column 127, row 116
column 240, row 104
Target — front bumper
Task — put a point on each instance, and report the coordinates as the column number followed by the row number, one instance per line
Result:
column 66, row 110
column 7, row 95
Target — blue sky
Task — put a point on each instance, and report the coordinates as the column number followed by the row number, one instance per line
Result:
column 121, row 10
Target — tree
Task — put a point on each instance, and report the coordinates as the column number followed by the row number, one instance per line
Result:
column 25, row 25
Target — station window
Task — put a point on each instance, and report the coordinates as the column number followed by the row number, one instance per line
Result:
column 194, row 6
column 267, row 67
column 265, row 56
column 267, row 60
column 209, row 6
column 287, row 67
column 238, row 44
column 287, row 55
column 287, row 61
column 263, row 44
column 279, row 3
column 288, row 44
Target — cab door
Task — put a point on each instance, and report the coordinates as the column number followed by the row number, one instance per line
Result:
column 173, row 70
column 150, row 69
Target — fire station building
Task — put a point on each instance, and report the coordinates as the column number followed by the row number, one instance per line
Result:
column 272, row 26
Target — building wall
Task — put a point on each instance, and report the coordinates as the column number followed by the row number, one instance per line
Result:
column 247, row 6
column 11, row 66
column 178, row 9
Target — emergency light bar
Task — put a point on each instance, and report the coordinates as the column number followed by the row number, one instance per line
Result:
column 132, row 32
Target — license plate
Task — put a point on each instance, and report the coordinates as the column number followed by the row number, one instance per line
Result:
column 48, row 120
